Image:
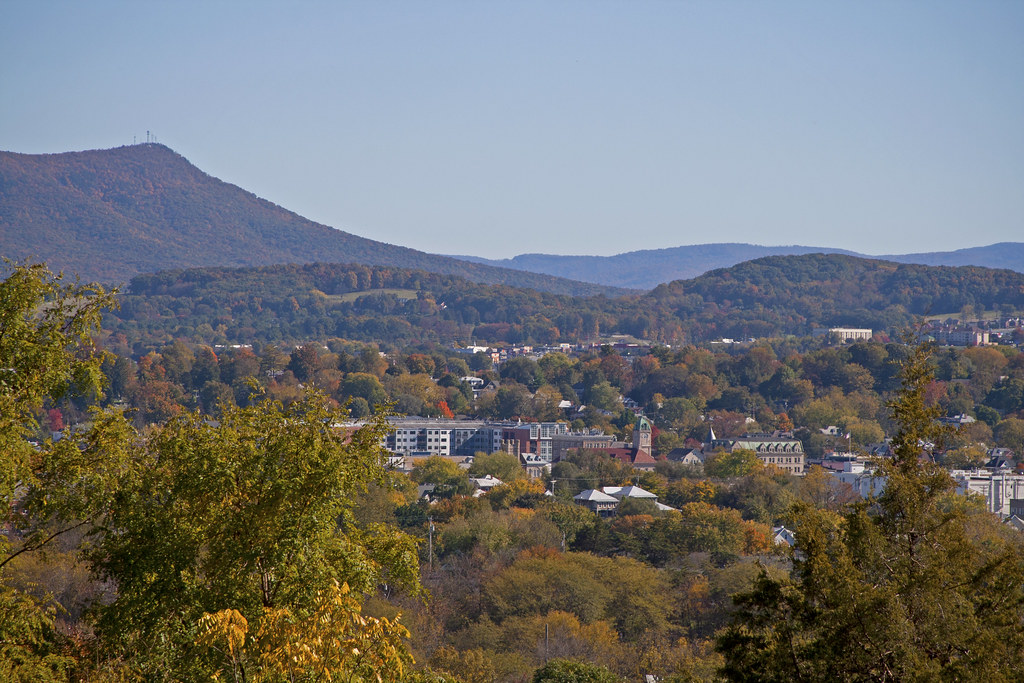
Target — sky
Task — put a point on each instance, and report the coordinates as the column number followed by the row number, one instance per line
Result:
column 500, row 128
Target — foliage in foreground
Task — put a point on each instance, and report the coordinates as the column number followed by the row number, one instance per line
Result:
column 200, row 526
column 916, row 585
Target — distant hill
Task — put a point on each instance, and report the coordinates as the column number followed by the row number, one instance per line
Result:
column 111, row 214
column 793, row 294
column 648, row 268
column 767, row 297
column 1009, row 255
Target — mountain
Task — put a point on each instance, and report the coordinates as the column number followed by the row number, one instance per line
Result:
column 794, row 294
column 772, row 296
column 111, row 214
column 648, row 268
column 1009, row 255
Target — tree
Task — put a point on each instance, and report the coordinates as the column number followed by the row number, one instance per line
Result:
column 821, row 490
column 737, row 463
column 569, row 671
column 213, row 394
column 447, row 477
column 1010, row 433
column 365, row 386
column 510, row 400
column 46, row 352
column 205, row 368
column 965, row 458
column 504, row 466
column 603, row 396
column 251, row 514
column 544, row 405
column 526, row 493
column 470, row 666
column 331, row 638
column 523, row 370
column 919, row 584
column 305, row 361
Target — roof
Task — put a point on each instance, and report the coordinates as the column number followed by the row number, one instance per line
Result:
column 761, row 443
column 594, row 496
column 487, row 482
column 685, row 455
column 643, row 458
column 781, row 534
column 621, row 492
column 642, row 423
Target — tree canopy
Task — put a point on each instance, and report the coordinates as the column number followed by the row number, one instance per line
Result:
column 917, row 584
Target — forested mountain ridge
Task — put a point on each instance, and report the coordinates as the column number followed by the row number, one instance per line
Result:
column 768, row 297
column 108, row 215
column 648, row 268
column 794, row 293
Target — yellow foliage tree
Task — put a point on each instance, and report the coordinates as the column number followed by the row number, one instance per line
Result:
column 330, row 641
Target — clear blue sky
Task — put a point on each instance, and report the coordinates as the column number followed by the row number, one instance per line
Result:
column 498, row 128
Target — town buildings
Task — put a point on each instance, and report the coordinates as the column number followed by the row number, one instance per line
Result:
column 844, row 334
column 779, row 449
column 422, row 437
column 1002, row 492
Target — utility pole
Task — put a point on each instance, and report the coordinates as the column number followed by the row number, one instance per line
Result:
column 430, row 551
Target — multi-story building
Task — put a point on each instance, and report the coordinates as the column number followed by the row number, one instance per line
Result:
column 960, row 336
column 779, row 449
column 423, row 436
column 1001, row 492
column 463, row 438
column 533, row 437
column 561, row 444
column 844, row 334
column 998, row 489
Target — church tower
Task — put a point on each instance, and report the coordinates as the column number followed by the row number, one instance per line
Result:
column 642, row 435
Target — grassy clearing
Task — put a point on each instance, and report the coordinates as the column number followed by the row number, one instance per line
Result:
column 352, row 296
column 987, row 315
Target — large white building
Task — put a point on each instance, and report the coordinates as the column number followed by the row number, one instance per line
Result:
column 999, row 490
column 779, row 449
column 417, row 436
column 424, row 436
column 844, row 334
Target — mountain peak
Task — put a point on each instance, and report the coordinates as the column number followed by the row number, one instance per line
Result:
column 111, row 214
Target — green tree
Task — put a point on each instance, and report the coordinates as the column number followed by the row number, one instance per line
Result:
column 447, row 477
column 213, row 394
column 365, row 386
column 504, row 466
column 305, row 361
column 917, row 585
column 251, row 514
column 965, row 458
column 737, row 463
column 1010, row 433
column 524, row 371
column 603, row 396
column 622, row 591
column 46, row 352
column 569, row 671
column 177, row 361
